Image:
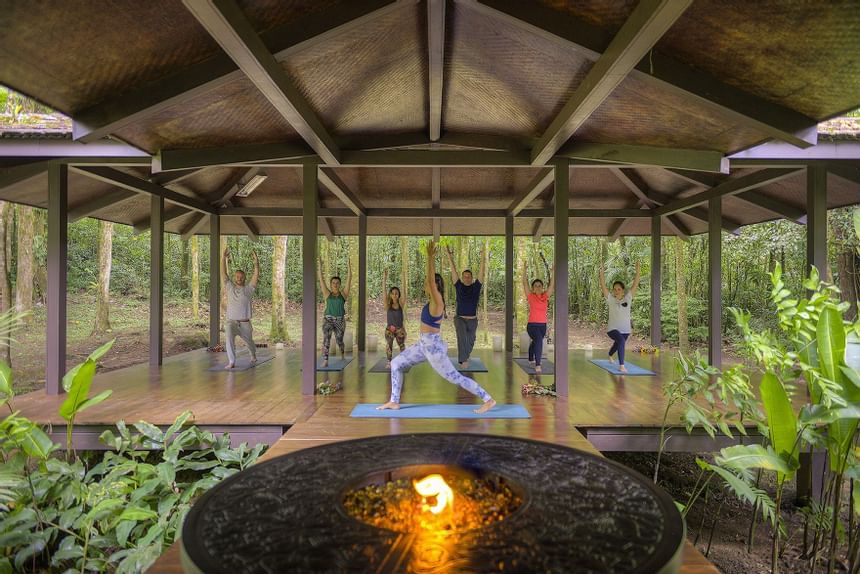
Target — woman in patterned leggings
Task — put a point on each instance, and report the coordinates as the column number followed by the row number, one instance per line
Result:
column 430, row 346
column 334, row 316
column 395, row 330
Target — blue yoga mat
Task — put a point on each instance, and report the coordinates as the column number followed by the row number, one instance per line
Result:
column 243, row 363
column 632, row 370
column 437, row 411
column 476, row 365
column 334, row 364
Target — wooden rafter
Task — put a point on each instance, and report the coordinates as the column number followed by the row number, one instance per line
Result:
column 729, row 187
column 700, row 160
column 752, row 197
column 642, row 29
column 9, row 176
column 334, row 184
column 304, row 33
column 101, row 202
column 436, row 51
column 132, row 183
column 228, row 25
column 183, row 159
column 744, row 108
column 536, row 186
column 654, row 199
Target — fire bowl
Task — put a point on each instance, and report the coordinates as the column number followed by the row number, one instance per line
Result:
column 576, row 513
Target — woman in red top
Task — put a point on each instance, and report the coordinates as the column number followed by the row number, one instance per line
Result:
column 538, row 299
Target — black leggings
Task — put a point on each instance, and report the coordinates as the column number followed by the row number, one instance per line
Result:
column 537, row 332
column 619, row 340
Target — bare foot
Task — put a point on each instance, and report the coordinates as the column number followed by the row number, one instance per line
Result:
column 228, row 367
column 253, row 360
column 325, row 363
column 532, row 363
column 537, row 369
column 611, row 359
column 622, row 368
column 388, row 365
column 464, row 364
column 485, row 407
column 389, row 405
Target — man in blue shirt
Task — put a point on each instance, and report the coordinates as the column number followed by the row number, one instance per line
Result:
column 466, row 321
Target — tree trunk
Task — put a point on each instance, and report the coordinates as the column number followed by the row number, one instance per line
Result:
column 846, row 270
column 183, row 269
column 404, row 269
column 222, row 247
column 681, row 294
column 520, row 302
column 102, row 324
column 279, row 275
column 5, row 284
column 26, row 258
column 195, row 278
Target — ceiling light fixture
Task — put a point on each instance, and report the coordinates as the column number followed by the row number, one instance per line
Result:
column 252, row 184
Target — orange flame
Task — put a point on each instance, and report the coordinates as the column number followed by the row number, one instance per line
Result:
column 434, row 485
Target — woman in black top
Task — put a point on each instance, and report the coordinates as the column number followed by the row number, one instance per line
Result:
column 395, row 329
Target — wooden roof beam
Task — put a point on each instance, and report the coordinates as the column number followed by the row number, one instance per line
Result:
column 654, row 199
column 10, row 176
column 103, row 201
column 729, row 187
column 229, row 26
column 536, row 186
column 744, row 108
column 145, row 101
column 642, row 29
column 845, row 171
column 325, row 227
column 175, row 176
column 436, row 52
column 183, row 159
column 692, row 159
column 126, row 181
column 765, row 202
column 334, row 184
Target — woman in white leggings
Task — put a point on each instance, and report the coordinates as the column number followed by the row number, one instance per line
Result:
column 430, row 346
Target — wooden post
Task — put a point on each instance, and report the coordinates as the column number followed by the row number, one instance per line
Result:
column 509, row 284
column 58, row 188
column 656, row 280
column 214, row 280
column 562, row 204
column 361, row 328
column 816, row 219
column 156, row 281
column 715, row 283
column 309, row 278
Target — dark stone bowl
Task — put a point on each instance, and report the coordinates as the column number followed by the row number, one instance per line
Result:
column 580, row 513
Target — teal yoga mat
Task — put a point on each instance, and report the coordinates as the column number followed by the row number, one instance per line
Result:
column 334, row 364
column 632, row 370
column 439, row 411
column 546, row 366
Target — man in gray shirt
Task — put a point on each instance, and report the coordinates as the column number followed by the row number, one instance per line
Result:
column 239, row 308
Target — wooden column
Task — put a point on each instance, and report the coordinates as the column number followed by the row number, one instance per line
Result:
column 715, row 282
column 214, row 280
column 816, row 219
column 156, row 281
column 509, row 284
column 58, row 188
column 361, row 328
column 656, row 280
column 562, row 204
column 309, row 278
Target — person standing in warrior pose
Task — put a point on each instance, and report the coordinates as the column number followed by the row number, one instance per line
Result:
column 619, row 326
column 466, row 320
column 395, row 329
column 239, row 308
column 430, row 346
column 334, row 316
column 538, row 300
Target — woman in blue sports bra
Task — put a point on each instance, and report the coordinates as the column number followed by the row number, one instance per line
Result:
column 430, row 346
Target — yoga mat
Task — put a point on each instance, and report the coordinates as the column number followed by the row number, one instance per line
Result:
column 437, row 411
column 379, row 366
column 476, row 365
column 632, row 370
column 334, row 364
column 547, row 368
column 243, row 363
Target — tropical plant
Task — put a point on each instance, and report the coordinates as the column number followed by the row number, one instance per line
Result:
column 114, row 511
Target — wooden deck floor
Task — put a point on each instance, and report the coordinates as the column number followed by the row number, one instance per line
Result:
column 269, row 394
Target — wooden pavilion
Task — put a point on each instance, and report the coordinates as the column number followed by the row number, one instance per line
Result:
column 405, row 117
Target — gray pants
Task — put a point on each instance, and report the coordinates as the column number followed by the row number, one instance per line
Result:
column 243, row 329
column 467, row 331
